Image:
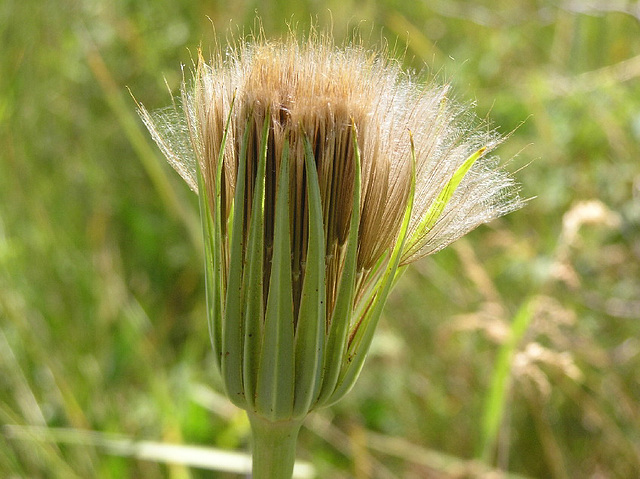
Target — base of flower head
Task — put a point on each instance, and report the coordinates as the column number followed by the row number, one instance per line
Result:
column 274, row 447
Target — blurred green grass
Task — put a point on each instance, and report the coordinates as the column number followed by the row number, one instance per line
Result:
column 102, row 322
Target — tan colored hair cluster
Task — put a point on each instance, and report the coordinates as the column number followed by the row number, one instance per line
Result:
column 311, row 89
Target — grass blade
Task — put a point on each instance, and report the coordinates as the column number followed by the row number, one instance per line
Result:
column 497, row 395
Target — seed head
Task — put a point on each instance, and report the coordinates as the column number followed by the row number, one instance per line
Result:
column 400, row 172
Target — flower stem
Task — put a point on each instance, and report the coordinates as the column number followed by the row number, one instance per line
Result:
column 274, row 447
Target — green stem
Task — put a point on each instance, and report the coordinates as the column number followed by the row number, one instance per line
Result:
column 274, row 447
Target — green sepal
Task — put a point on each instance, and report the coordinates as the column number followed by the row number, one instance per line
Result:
column 211, row 263
column 252, row 282
column 213, row 246
column 362, row 336
column 232, row 320
column 336, row 340
column 437, row 207
column 312, row 315
column 275, row 381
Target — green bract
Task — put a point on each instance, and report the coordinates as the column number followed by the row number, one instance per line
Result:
column 276, row 365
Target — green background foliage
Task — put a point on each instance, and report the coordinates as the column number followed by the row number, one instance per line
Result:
column 517, row 348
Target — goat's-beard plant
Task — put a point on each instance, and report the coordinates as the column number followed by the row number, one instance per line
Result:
column 322, row 172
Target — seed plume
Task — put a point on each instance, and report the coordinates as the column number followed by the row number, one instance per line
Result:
column 312, row 90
